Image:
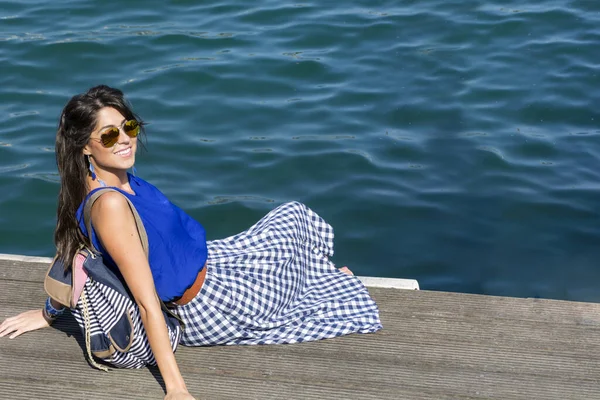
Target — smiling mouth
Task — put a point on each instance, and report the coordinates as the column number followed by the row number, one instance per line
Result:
column 124, row 152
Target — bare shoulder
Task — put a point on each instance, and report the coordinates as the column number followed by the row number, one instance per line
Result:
column 110, row 203
column 114, row 224
column 111, row 212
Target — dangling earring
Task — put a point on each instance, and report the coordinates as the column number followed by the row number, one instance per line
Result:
column 133, row 170
column 92, row 170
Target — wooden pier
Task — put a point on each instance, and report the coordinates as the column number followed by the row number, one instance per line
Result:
column 434, row 345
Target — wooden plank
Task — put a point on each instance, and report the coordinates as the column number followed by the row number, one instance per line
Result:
column 10, row 261
column 420, row 325
column 434, row 346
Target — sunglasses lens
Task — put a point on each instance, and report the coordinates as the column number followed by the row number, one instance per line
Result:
column 109, row 137
column 131, row 128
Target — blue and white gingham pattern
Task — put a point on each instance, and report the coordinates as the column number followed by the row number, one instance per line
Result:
column 274, row 284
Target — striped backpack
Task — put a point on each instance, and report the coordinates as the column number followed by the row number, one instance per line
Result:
column 103, row 306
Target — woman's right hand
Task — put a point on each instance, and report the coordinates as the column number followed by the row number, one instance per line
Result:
column 24, row 322
column 182, row 395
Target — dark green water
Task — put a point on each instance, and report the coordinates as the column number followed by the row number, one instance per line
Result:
column 457, row 143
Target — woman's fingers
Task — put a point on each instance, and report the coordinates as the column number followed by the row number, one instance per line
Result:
column 8, row 327
column 16, row 333
column 25, row 322
column 4, row 327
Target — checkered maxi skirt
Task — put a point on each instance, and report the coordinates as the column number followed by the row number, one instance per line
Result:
column 274, row 283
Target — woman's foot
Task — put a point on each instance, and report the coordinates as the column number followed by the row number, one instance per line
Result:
column 346, row 270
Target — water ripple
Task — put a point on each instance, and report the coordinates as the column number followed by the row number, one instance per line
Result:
column 449, row 142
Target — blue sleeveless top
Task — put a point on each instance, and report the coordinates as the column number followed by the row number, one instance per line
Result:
column 177, row 243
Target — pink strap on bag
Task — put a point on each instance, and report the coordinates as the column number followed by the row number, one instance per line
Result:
column 79, row 278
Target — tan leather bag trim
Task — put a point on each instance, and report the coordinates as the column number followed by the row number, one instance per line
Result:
column 58, row 291
column 106, row 353
column 115, row 346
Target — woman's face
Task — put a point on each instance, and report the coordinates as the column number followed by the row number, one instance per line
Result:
column 120, row 156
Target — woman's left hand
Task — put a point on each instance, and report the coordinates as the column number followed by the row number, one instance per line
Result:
column 24, row 322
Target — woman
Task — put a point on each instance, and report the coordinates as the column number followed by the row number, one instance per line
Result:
column 272, row 283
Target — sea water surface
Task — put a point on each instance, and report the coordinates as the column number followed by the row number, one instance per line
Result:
column 453, row 142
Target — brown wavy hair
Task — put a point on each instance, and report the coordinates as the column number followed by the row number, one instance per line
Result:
column 77, row 122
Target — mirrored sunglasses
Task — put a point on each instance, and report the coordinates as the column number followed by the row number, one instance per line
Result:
column 110, row 137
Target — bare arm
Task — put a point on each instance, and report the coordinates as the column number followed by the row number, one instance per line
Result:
column 26, row 322
column 115, row 226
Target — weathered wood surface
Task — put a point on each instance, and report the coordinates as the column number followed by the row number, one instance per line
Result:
column 434, row 346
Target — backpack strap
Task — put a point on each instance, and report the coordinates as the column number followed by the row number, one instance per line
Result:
column 87, row 217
